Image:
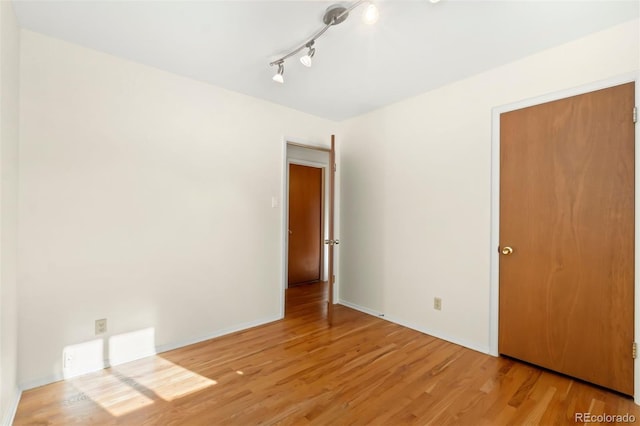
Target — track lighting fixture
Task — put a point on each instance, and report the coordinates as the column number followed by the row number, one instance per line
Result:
column 279, row 77
column 306, row 59
column 334, row 15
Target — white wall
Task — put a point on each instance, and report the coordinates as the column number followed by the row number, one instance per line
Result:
column 416, row 200
column 145, row 198
column 9, row 130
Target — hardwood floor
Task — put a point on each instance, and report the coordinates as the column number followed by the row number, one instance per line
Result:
column 298, row 371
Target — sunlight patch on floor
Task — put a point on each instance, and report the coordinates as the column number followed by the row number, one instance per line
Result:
column 169, row 381
column 112, row 394
column 137, row 377
column 129, row 387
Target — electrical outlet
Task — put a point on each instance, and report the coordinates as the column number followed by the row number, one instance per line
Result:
column 437, row 303
column 101, row 326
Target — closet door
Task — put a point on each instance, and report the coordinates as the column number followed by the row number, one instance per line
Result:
column 567, row 236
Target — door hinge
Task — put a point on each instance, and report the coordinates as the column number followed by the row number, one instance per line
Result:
column 635, row 114
column 334, row 279
column 335, row 166
column 634, row 350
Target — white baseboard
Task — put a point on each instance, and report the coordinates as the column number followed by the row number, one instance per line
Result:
column 361, row 308
column 158, row 349
column 42, row 381
column 9, row 416
column 221, row 332
column 430, row 332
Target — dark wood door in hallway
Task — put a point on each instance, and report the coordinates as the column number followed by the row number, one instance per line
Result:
column 305, row 224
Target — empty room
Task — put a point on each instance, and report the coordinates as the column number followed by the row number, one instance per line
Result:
column 319, row 212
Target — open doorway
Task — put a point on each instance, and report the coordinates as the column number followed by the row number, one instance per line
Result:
column 306, row 224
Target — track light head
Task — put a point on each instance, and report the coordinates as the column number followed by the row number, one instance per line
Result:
column 306, row 59
column 279, row 76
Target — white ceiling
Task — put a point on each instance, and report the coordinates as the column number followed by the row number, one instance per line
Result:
column 416, row 46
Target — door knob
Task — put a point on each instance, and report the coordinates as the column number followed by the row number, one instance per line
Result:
column 507, row 251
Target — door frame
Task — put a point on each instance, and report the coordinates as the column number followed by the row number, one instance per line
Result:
column 284, row 210
column 495, row 205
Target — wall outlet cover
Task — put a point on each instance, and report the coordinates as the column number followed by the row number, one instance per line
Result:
column 101, row 326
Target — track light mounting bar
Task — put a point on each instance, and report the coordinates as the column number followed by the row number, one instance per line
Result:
column 334, row 15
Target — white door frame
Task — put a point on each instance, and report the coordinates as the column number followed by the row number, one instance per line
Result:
column 284, row 234
column 495, row 205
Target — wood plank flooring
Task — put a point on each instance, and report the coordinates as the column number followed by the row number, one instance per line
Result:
column 298, row 371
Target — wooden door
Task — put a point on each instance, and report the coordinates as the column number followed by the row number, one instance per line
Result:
column 567, row 236
column 305, row 224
